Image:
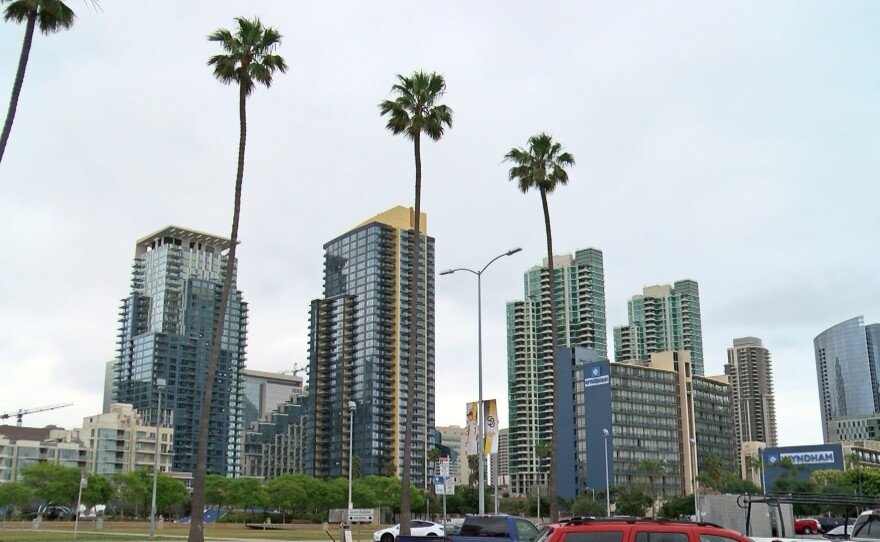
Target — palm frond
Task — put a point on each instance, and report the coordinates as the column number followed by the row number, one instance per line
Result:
column 415, row 109
column 541, row 165
column 248, row 59
column 19, row 11
column 54, row 15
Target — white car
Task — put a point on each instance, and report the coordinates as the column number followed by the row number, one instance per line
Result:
column 417, row 528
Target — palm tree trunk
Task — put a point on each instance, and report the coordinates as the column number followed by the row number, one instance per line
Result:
column 411, row 355
column 554, row 345
column 19, row 79
column 197, row 520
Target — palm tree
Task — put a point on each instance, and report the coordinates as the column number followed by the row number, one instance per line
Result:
column 52, row 15
column 248, row 60
column 651, row 468
column 542, row 166
column 413, row 112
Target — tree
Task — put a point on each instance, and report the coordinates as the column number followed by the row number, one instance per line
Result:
column 542, row 166
column 52, row 16
column 631, row 501
column 413, row 112
column 98, row 490
column 249, row 59
column 14, row 494
column 677, row 507
column 169, row 492
column 247, row 493
column 217, row 489
column 131, row 488
column 587, row 505
column 52, row 483
column 285, row 494
column 652, row 468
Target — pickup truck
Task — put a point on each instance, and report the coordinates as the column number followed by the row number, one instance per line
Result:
column 489, row 529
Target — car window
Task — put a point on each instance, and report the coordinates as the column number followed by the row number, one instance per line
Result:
column 716, row 538
column 658, row 536
column 595, row 536
column 419, row 524
column 526, row 530
column 485, row 526
column 867, row 526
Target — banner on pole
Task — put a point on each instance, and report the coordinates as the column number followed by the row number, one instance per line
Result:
column 470, row 447
column 490, row 426
column 444, row 467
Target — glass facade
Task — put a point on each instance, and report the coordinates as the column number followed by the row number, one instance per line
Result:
column 358, row 351
column 166, row 330
column 579, row 289
column 661, row 319
column 847, row 358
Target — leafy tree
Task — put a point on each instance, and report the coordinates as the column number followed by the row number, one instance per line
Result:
column 170, row 493
column 249, row 59
column 677, row 507
column 217, row 489
column 711, row 471
column 15, row 494
column 52, row 483
column 98, row 490
column 473, row 469
column 586, row 505
column 52, row 16
column 631, row 501
column 542, row 166
column 652, row 468
column 415, row 111
column 285, row 494
column 248, row 493
column 131, row 489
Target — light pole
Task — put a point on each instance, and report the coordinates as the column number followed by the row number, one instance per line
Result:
column 160, row 385
column 607, row 484
column 352, row 406
column 480, row 421
column 761, row 458
column 696, row 495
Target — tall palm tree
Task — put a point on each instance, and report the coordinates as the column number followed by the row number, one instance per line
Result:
column 542, row 166
column 415, row 111
column 52, row 16
column 248, row 59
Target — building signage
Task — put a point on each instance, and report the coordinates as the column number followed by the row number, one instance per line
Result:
column 595, row 378
column 807, row 458
column 444, row 467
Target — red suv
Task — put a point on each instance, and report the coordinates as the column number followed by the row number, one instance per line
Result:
column 636, row 530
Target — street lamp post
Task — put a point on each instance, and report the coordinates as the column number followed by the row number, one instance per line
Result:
column 761, row 458
column 352, row 406
column 696, row 494
column 160, row 385
column 607, row 484
column 480, row 421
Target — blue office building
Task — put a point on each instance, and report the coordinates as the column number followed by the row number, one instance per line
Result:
column 847, row 369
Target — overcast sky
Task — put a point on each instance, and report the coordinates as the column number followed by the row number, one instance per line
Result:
column 736, row 144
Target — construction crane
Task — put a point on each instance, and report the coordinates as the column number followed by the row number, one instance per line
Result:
column 21, row 412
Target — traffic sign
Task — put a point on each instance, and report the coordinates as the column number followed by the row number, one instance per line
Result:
column 360, row 515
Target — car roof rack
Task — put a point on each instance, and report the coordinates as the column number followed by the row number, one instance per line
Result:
column 634, row 519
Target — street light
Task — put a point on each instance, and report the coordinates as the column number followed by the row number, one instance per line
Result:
column 607, row 485
column 352, row 406
column 480, row 421
column 696, row 496
column 761, row 458
column 160, row 385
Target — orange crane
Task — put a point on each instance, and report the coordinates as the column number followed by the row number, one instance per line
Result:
column 21, row 412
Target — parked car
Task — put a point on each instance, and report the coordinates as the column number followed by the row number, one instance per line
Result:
column 630, row 529
column 807, row 526
column 489, row 528
column 417, row 528
column 841, row 532
column 867, row 526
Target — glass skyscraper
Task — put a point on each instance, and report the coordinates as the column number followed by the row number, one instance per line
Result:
column 662, row 318
column 358, row 351
column 847, row 367
column 579, row 287
column 166, row 329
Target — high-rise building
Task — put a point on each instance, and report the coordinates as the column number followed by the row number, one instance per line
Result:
column 166, row 331
column 579, row 288
column 359, row 348
column 751, row 378
column 263, row 392
column 501, row 461
column 109, row 384
column 454, row 437
column 847, row 369
column 662, row 318
column 648, row 421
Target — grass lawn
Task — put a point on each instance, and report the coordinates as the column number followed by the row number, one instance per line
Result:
column 118, row 531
